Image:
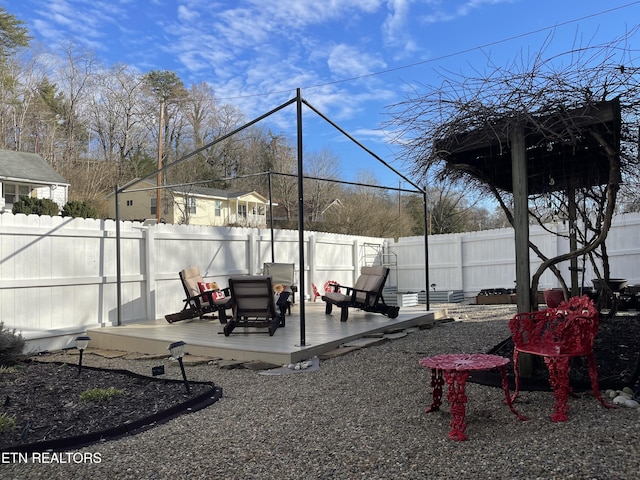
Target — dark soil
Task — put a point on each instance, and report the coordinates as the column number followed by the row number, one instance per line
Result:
column 616, row 349
column 44, row 399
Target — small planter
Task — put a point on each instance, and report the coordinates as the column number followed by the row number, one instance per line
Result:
column 407, row 299
column 615, row 284
column 553, row 297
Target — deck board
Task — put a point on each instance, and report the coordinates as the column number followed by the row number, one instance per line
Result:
column 323, row 333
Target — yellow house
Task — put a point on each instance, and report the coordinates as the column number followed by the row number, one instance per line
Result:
column 191, row 205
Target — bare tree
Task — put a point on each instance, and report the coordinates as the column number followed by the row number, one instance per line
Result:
column 450, row 208
column 369, row 210
column 320, row 194
column 114, row 109
column 74, row 78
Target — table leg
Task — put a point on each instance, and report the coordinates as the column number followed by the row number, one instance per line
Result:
column 456, row 380
column 593, row 375
column 507, row 394
column 436, row 384
column 559, row 380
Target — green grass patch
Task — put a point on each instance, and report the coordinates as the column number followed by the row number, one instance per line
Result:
column 7, row 422
column 101, row 394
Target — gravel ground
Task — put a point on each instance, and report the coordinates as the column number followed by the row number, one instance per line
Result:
column 362, row 416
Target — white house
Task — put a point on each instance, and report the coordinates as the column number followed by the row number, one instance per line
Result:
column 25, row 174
column 191, row 205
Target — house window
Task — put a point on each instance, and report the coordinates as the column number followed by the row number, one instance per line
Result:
column 13, row 192
column 129, row 203
column 242, row 211
column 154, row 206
column 191, row 205
column 217, row 208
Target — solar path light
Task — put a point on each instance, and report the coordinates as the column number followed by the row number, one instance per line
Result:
column 81, row 345
column 177, row 352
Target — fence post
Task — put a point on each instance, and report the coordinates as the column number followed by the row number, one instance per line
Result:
column 311, row 260
column 458, row 260
column 252, row 253
column 149, row 238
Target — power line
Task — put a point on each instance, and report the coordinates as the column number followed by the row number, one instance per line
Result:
column 442, row 57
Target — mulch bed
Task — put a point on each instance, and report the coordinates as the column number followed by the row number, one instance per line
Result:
column 44, row 399
column 617, row 352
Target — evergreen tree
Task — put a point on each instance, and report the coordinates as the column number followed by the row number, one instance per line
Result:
column 12, row 34
column 81, row 209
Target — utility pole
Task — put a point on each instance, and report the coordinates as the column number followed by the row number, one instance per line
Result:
column 159, row 178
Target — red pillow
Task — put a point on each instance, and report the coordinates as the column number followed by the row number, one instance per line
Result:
column 218, row 295
column 207, row 286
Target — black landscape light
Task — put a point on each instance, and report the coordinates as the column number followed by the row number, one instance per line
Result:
column 177, row 352
column 81, row 345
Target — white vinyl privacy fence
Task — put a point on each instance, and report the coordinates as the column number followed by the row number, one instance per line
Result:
column 58, row 275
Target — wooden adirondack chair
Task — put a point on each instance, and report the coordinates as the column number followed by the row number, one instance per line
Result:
column 254, row 305
column 366, row 294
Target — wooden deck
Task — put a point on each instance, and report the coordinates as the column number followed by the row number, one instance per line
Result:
column 323, row 333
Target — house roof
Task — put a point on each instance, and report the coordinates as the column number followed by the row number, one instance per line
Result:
column 213, row 192
column 28, row 167
column 199, row 191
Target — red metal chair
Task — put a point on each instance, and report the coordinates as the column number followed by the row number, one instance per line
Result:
column 331, row 286
column 316, row 293
column 557, row 334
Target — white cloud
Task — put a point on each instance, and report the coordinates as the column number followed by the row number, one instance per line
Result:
column 454, row 11
column 186, row 14
column 395, row 24
column 81, row 22
column 348, row 61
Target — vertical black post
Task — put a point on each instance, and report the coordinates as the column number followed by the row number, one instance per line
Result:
column 80, row 362
column 300, row 215
column 118, row 271
column 184, row 375
column 426, row 246
column 273, row 252
column 573, row 239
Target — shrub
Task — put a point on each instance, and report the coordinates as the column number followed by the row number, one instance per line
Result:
column 81, row 209
column 36, row 206
column 100, row 394
column 11, row 346
column 7, row 422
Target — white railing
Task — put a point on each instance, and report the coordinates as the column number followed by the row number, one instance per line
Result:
column 248, row 220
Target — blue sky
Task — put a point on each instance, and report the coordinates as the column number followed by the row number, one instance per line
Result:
column 351, row 58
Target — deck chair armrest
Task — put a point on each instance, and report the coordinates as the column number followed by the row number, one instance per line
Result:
column 207, row 296
column 351, row 292
column 201, row 297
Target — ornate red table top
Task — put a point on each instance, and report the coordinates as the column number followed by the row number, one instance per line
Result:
column 464, row 361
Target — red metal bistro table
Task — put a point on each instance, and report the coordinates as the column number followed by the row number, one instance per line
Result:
column 455, row 367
